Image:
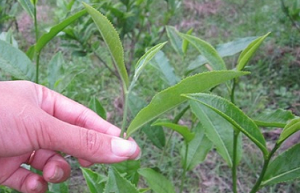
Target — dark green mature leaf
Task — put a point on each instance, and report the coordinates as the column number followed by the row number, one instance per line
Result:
column 55, row 70
column 233, row 115
column 94, row 181
column 156, row 135
column 198, row 148
column 161, row 63
column 44, row 39
column 171, row 97
column 209, row 52
column 97, row 107
column 247, row 54
column 118, row 184
column 182, row 130
column 277, row 118
column 218, row 130
column 283, row 168
column 15, row 62
column 156, row 181
column 292, row 127
column 129, row 169
column 112, row 40
column 27, row 6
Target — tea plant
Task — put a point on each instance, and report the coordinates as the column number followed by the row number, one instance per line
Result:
column 219, row 122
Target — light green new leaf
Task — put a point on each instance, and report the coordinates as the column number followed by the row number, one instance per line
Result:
column 171, row 97
column 112, row 40
column 44, row 39
column 94, row 181
column 156, row 181
column 227, row 49
column 218, row 130
column 198, row 148
column 144, row 60
column 182, row 130
column 27, row 6
column 277, row 118
column 283, row 168
column 128, row 169
column 15, row 62
column 97, row 107
column 292, row 127
column 247, row 54
column 209, row 52
column 233, row 115
column 185, row 43
column 118, row 184
column 175, row 40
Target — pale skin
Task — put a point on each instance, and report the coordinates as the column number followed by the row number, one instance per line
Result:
column 34, row 118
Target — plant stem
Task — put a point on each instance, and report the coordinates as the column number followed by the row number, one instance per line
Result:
column 125, row 110
column 36, row 39
column 264, row 169
column 183, row 177
column 233, row 91
column 234, row 161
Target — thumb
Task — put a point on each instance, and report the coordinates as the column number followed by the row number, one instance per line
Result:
column 85, row 143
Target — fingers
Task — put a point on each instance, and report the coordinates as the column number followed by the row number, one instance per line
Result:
column 83, row 143
column 72, row 112
column 55, row 168
column 25, row 181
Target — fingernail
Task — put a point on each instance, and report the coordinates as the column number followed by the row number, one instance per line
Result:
column 123, row 148
column 58, row 174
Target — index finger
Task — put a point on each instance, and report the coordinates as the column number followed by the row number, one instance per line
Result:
column 72, row 112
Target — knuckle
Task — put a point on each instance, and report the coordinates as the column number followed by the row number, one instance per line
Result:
column 92, row 142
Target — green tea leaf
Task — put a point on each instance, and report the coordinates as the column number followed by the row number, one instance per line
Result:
column 97, row 107
column 112, row 40
column 292, row 127
column 27, row 6
column 129, row 170
column 44, row 39
column 198, row 148
column 15, row 62
column 277, row 118
column 171, row 97
column 233, row 115
column 175, row 40
column 94, row 181
column 156, row 135
column 283, row 168
column 182, row 130
column 224, row 50
column 247, row 54
column 161, row 63
column 55, row 70
column 144, row 60
column 156, row 181
column 118, row 184
column 58, row 188
column 218, row 130
column 209, row 52
column 185, row 43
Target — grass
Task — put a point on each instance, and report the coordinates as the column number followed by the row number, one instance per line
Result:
column 274, row 82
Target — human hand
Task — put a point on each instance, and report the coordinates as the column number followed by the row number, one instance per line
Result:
column 36, row 119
